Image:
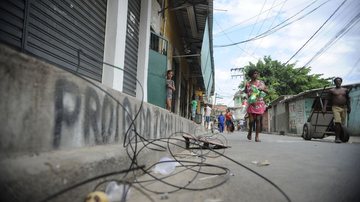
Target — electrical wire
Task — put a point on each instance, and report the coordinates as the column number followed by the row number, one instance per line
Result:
column 224, row 31
column 278, row 13
column 227, row 36
column 256, row 21
column 353, row 68
column 85, row 182
column 276, row 28
column 336, row 10
column 343, row 16
column 134, row 150
column 332, row 41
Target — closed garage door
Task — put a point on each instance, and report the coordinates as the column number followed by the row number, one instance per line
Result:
column 131, row 49
column 69, row 34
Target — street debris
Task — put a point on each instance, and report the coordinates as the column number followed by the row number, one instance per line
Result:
column 208, row 177
column 164, row 196
column 213, row 200
column 165, row 166
column 117, row 192
column 97, row 196
column 261, row 163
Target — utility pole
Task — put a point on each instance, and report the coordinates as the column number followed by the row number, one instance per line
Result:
column 238, row 72
column 216, row 96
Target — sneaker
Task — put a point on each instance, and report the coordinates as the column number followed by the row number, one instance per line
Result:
column 337, row 141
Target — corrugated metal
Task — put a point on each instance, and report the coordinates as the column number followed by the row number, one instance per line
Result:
column 131, row 47
column 11, row 22
column 69, row 34
column 57, row 30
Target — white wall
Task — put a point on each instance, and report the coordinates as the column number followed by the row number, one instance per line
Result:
column 155, row 16
column 114, row 48
column 143, row 51
column 115, row 41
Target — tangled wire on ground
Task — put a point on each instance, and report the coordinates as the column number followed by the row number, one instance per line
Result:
column 194, row 169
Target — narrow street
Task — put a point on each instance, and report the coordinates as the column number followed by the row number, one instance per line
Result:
column 104, row 96
column 317, row 170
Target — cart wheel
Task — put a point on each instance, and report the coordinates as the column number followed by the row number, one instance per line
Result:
column 344, row 137
column 307, row 131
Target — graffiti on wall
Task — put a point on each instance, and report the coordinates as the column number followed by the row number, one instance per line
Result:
column 292, row 122
column 102, row 119
column 296, row 115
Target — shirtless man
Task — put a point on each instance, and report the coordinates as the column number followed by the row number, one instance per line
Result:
column 340, row 106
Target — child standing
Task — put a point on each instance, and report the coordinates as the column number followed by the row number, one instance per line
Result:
column 170, row 88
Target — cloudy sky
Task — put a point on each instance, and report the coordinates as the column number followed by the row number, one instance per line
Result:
column 326, row 34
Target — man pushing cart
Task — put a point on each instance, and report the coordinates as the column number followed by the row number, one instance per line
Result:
column 334, row 105
column 339, row 96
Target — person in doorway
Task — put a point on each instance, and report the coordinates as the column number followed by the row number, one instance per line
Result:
column 255, row 90
column 193, row 107
column 339, row 97
column 207, row 116
column 170, row 88
column 221, row 120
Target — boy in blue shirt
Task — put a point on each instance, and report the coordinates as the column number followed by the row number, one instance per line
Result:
column 221, row 120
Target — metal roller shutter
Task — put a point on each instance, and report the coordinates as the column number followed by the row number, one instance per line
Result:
column 69, row 34
column 11, row 22
column 131, row 47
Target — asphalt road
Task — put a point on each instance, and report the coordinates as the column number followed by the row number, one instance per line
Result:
column 317, row 170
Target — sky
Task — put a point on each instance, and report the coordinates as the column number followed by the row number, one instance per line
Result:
column 321, row 34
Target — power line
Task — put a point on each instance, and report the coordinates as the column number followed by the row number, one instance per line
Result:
column 223, row 31
column 256, row 21
column 254, row 27
column 243, row 50
column 316, row 32
column 330, row 28
column 340, row 34
column 353, row 68
column 270, row 24
column 277, row 27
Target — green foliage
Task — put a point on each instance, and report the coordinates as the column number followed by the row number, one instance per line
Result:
column 284, row 79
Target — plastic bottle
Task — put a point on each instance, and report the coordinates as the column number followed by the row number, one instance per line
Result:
column 165, row 168
column 117, row 192
column 254, row 94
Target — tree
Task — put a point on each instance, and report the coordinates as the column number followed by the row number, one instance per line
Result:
column 284, row 79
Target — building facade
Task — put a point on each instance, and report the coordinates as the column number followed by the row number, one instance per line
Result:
column 288, row 114
column 126, row 45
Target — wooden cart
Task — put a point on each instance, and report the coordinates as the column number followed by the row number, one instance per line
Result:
column 319, row 124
